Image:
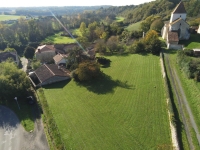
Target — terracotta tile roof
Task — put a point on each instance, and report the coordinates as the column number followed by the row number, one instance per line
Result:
column 44, row 48
column 47, row 71
column 59, row 57
column 180, row 9
column 5, row 55
column 173, row 37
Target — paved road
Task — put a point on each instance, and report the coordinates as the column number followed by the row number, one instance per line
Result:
column 182, row 101
column 10, row 130
column 24, row 63
column 14, row 137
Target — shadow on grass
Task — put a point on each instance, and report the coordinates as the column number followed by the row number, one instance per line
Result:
column 105, row 84
column 177, row 120
column 193, row 38
column 105, row 66
column 169, row 51
column 143, row 54
column 57, row 85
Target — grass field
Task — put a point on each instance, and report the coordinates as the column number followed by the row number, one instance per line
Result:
column 193, row 42
column 119, row 19
column 58, row 39
column 134, row 26
column 9, row 17
column 125, row 110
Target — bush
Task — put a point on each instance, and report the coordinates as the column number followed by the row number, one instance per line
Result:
column 103, row 60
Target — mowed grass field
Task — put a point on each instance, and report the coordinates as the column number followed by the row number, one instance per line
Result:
column 126, row 110
column 58, row 39
column 9, row 17
column 134, row 26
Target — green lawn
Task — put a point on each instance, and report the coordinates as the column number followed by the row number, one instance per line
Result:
column 134, row 26
column 193, row 42
column 58, row 39
column 119, row 19
column 9, row 17
column 124, row 110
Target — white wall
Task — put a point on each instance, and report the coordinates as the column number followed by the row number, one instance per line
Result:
column 176, row 16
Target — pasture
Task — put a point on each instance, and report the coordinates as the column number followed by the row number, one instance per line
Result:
column 126, row 109
column 58, row 39
column 134, row 26
column 9, row 17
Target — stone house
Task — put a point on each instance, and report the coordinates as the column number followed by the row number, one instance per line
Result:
column 48, row 74
column 6, row 55
column 45, row 53
column 176, row 27
column 60, row 59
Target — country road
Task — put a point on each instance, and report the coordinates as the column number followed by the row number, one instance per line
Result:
column 14, row 137
column 182, row 103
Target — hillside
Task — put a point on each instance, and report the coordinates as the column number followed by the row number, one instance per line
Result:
column 162, row 8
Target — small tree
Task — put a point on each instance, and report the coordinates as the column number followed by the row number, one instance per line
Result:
column 29, row 52
column 82, row 27
column 112, row 43
column 157, row 25
column 88, row 70
column 152, row 42
column 100, row 46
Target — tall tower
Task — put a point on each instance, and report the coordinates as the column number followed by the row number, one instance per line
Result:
column 179, row 12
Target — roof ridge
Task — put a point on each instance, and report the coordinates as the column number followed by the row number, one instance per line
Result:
column 180, row 8
column 49, row 69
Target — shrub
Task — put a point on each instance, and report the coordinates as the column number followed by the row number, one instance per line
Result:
column 103, row 60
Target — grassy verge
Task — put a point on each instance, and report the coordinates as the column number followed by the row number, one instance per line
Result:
column 50, row 125
column 192, row 94
column 126, row 109
column 182, row 138
column 24, row 113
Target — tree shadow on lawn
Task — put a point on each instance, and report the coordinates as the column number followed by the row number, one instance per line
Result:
column 170, row 51
column 105, row 84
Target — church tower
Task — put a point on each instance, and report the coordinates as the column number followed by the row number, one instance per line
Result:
column 179, row 12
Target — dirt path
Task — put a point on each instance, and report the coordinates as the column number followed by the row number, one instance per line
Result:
column 182, row 101
column 24, row 63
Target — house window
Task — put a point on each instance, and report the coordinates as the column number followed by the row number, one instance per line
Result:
column 180, row 16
